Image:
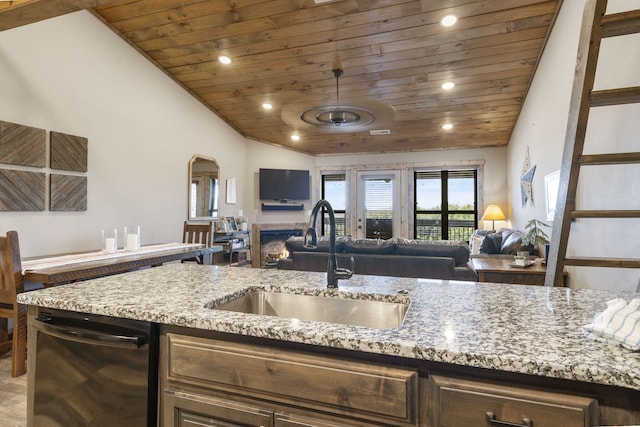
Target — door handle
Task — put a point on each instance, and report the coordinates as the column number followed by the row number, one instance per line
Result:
column 491, row 417
column 115, row 338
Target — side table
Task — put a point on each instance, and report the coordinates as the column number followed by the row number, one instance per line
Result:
column 499, row 270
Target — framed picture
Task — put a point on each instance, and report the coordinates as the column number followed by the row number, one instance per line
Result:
column 231, row 224
column 220, row 226
column 231, row 191
column 551, row 184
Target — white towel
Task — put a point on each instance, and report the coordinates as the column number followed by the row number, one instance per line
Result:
column 619, row 323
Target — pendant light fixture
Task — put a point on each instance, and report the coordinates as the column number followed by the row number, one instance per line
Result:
column 337, row 115
column 347, row 117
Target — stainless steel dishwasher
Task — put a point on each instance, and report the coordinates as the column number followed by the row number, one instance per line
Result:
column 94, row 371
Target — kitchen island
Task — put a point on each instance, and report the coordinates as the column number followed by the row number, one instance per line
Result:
column 505, row 334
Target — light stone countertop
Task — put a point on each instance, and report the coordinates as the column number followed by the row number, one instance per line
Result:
column 513, row 328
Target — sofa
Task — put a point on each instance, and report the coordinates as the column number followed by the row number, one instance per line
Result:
column 504, row 243
column 397, row 257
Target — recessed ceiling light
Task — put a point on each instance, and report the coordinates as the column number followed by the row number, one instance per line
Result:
column 224, row 59
column 267, row 106
column 448, row 85
column 449, row 20
column 447, row 126
column 295, row 137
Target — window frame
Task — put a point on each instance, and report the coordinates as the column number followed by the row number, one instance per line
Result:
column 444, row 210
column 324, row 217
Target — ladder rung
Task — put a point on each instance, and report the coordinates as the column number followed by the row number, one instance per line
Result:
column 609, row 159
column 619, row 24
column 603, row 262
column 605, row 214
column 619, row 96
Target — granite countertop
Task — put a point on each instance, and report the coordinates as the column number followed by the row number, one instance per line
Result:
column 514, row 328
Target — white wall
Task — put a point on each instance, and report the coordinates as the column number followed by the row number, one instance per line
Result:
column 542, row 126
column 72, row 74
column 260, row 155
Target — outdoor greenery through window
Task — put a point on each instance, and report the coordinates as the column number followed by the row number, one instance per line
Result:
column 334, row 190
column 445, row 204
column 378, row 200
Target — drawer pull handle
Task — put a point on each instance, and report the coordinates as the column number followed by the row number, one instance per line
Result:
column 491, row 417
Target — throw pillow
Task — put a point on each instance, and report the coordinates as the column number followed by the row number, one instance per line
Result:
column 476, row 243
column 491, row 243
column 511, row 242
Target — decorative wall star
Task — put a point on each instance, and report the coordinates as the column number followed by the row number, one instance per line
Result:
column 526, row 179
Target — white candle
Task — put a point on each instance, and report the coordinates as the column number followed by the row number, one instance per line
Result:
column 133, row 243
column 110, row 245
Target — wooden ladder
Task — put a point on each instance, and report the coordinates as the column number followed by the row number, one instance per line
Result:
column 595, row 26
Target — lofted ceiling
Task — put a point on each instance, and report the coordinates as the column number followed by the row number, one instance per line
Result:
column 394, row 53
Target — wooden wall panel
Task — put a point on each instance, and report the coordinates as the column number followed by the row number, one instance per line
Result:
column 22, row 145
column 69, row 152
column 21, row 190
column 68, row 193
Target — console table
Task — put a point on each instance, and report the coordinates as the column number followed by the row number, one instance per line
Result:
column 499, row 270
column 234, row 242
column 61, row 269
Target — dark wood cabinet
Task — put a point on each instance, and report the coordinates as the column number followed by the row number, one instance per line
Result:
column 235, row 382
column 216, row 379
column 184, row 409
column 460, row 402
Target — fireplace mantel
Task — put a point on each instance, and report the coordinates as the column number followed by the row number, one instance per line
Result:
column 256, row 250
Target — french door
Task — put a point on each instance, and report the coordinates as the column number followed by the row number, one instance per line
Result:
column 378, row 204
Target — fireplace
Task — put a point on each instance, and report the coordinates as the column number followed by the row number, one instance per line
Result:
column 269, row 241
column 272, row 246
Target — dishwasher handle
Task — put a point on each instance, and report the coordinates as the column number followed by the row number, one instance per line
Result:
column 117, row 338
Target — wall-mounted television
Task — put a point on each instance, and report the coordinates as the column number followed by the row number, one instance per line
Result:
column 284, row 184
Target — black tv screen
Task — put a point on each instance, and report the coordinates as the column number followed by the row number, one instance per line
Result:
column 284, row 184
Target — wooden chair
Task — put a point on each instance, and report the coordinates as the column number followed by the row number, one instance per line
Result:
column 201, row 232
column 11, row 285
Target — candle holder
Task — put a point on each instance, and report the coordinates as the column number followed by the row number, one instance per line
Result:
column 110, row 241
column 132, row 238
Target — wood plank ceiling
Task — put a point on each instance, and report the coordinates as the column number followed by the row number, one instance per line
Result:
column 393, row 52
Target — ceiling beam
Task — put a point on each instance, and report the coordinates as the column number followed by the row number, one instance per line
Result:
column 31, row 11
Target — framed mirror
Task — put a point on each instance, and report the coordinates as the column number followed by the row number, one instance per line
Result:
column 204, row 187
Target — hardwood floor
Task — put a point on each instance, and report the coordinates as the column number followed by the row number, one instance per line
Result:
column 13, row 396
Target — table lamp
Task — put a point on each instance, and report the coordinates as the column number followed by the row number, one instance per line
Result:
column 493, row 213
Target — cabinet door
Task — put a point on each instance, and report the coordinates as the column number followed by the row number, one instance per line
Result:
column 457, row 402
column 384, row 394
column 183, row 409
column 290, row 420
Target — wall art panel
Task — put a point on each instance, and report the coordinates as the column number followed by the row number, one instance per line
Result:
column 21, row 190
column 68, row 193
column 69, row 152
column 22, row 145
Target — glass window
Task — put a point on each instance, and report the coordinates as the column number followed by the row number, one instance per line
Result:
column 334, row 190
column 445, row 204
column 378, row 204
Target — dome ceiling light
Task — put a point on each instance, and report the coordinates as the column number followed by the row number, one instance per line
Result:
column 348, row 117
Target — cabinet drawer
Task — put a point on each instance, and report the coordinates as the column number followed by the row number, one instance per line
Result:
column 289, row 420
column 183, row 409
column 337, row 385
column 458, row 402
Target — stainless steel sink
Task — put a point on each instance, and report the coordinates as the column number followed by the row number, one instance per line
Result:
column 357, row 312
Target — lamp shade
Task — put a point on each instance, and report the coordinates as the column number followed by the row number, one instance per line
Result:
column 493, row 213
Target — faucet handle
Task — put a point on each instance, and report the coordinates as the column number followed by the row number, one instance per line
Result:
column 351, row 263
column 345, row 273
column 311, row 238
